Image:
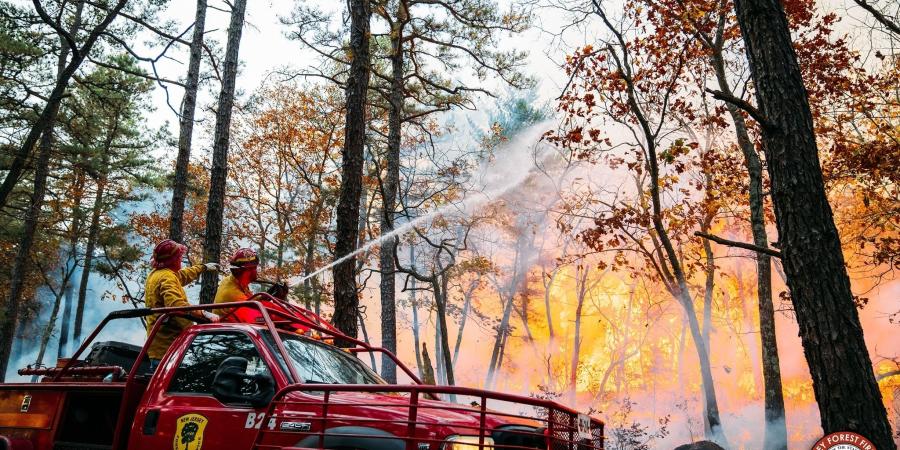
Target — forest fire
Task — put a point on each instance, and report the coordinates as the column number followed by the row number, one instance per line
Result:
column 633, row 350
column 681, row 217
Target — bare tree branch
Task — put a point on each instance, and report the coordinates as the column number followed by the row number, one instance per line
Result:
column 744, row 245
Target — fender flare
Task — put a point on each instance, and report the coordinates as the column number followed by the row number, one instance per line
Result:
column 373, row 439
column 14, row 444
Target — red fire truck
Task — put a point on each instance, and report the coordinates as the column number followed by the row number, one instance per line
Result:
column 275, row 383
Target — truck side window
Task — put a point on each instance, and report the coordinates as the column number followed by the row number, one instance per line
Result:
column 197, row 369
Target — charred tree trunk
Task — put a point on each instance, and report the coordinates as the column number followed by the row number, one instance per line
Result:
column 215, row 206
column 776, row 428
column 185, row 134
column 389, row 197
column 832, row 337
column 346, row 299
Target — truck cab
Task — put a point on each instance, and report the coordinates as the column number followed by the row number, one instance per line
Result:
column 276, row 383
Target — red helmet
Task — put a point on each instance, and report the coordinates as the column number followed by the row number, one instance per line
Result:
column 244, row 258
column 167, row 253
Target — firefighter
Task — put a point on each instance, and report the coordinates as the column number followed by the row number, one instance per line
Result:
column 236, row 287
column 165, row 288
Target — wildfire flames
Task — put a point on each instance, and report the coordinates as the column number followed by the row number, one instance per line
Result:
column 635, row 353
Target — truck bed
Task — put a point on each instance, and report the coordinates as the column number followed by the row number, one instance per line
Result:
column 64, row 416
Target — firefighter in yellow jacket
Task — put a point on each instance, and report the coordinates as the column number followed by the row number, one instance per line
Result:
column 236, row 287
column 165, row 288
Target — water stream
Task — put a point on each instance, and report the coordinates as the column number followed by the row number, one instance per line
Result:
column 514, row 163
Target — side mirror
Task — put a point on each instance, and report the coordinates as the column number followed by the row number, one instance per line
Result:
column 231, row 377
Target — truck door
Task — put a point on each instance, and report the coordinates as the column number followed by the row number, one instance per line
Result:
column 183, row 414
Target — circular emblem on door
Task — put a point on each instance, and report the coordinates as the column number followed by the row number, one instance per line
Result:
column 189, row 430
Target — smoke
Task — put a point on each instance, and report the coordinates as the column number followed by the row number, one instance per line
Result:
column 97, row 305
column 496, row 178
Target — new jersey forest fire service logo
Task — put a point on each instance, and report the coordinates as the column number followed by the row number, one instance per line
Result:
column 189, row 432
column 843, row 440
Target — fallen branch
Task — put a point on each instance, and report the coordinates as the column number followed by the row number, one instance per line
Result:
column 744, row 245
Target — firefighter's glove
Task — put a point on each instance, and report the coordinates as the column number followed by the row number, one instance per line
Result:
column 212, row 267
column 213, row 318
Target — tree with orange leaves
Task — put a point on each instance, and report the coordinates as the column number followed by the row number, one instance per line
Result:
column 638, row 85
column 704, row 37
column 289, row 157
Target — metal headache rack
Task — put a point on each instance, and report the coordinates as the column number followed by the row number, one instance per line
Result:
column 528, row 423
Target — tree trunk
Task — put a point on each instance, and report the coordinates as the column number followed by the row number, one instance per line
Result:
column 676, row 282
column 501, row 353
column 71, row 264
column 94, row 229
column 389, row 198
column 415, row 313
column 581, row 280
column 215, row 206
column 467, row 305
column 548, row 287
column 54, row 314
column 346, row 299
column 710, row 273
column 498, row 343
column 362, row 327
column 438, row 361
column 428, row 373
column 776, row 428
column 711, row 419
column 48, row 331
column 679, row 288
column 64, row 328
column 843, row 381
column 681, row 344
column 93, row 233
column 308, row 268
column 188, row 108
column 440, row 298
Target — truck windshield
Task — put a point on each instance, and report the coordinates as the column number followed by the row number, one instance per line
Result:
column 319, row 363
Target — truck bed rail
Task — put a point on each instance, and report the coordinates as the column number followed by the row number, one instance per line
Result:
column 493, row 420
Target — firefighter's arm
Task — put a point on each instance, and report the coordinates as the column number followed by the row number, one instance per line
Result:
column 173, row 295
column 188, row 275
column 171, row 292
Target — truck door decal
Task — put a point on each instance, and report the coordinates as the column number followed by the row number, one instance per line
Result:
column 255, row 420
column 189, row 432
